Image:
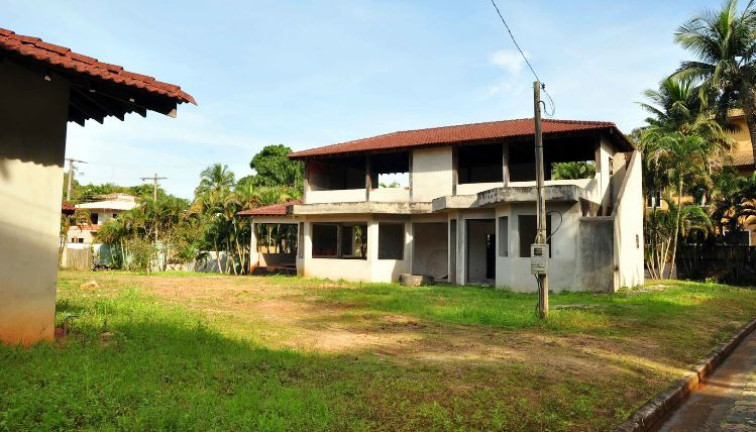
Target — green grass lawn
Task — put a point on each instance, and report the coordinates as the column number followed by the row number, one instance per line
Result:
column 178, row 352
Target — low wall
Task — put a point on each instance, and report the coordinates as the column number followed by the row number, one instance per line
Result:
column 596, row 254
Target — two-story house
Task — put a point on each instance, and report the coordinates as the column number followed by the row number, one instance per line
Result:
column 467, row 213
column 107, row 207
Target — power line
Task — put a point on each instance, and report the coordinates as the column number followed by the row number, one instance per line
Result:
column 552, row 104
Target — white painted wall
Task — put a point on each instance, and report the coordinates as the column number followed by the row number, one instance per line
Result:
column 603, row 168
column 431, row 173
column 514, row 272
column 399, row 194
column 33, row 116
column 474, row 188
column 371, row 269
column 628, row 227
column 430, row 251
column 335, row 196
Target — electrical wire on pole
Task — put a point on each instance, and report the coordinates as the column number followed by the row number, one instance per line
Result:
column 540, row 249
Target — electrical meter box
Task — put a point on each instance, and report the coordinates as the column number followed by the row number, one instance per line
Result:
column 539, row 259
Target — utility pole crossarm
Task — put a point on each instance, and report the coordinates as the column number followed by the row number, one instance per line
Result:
column 71, row 169
column 155, row 180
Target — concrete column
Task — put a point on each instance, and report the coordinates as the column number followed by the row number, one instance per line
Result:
column 505, row 163
column 254, row 256
column 372, row 250
column 408, row 245
column 461, row 250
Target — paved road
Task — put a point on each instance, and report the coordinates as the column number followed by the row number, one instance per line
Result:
column 727, row 402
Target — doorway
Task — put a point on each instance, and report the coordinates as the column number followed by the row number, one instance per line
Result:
column 481, row 251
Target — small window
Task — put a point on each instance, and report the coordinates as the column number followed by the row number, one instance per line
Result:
column 115, row 215
column 354, row 241
column 528, row 230
column 325, row 240
column 391, row 241
column 339, row 240
column 504, row 236
column 81, row 240
column 93, row 218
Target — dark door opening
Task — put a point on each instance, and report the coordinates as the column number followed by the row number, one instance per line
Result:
column 481, row 250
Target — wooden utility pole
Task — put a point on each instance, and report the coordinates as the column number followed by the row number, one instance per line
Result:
column 541, row 238
column 71, row 169
column 155, row 179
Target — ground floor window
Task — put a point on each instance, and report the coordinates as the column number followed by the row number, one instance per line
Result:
column 528, row 230
column 391, row 241
column 339, row 240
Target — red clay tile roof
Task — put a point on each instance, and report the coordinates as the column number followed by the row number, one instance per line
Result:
column 519, row 128
column 89, row 227
column 271, row 210
column 60, row 56
column 67, row 208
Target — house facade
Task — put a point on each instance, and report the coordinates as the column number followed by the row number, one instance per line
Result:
column 106, row 208
column 465, row 210
column 43, row 87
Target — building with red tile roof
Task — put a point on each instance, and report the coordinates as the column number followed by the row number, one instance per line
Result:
column 468, row 133
column 457, row 203
column 44, row 86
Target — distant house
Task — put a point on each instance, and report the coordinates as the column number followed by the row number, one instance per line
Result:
column 742, row 160
column 742, row 151
column 43, row 87
column 108, row 207
column 464, row 210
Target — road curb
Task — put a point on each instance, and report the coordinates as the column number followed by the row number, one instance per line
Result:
column 647, row 416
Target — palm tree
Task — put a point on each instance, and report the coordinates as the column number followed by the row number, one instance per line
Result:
column 685, row 159
column 724, row 42
column 676, row 104
column 216, row 178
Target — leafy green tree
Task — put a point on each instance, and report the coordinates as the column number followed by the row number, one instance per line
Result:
column 573, row 170
column 684, row 159
column 724, row 42
column 273, row 168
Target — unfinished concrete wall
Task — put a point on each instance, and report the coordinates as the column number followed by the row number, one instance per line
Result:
column 33, row 116
column 431, row 175
column 604, row 170
column 388, row 270
column 513, row 271
column 430, row 252
column 596, row 259
column 371, row 269
column 628, row 228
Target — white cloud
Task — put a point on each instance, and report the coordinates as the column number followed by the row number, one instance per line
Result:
column 509, row 60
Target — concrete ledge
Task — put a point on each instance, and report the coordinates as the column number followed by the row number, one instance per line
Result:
column 648, row 417
column 365, row 207
column 568, row 193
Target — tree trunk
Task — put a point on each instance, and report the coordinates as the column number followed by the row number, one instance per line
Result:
column 217, row 256
column 678, row 218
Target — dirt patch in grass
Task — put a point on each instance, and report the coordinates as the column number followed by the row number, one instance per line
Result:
column 448, row 358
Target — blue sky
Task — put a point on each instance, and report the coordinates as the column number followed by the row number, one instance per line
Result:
column 312, row 73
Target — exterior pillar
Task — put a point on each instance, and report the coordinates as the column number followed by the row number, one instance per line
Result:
column 254, row 256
